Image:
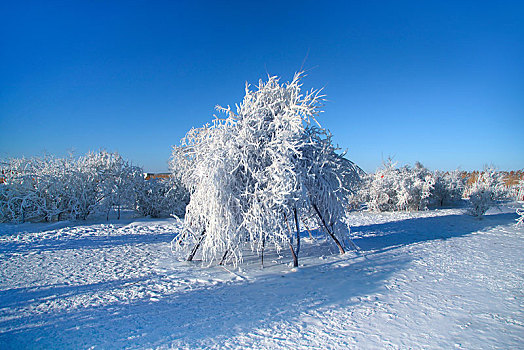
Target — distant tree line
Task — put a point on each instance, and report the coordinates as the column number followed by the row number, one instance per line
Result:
column 100, row 184
column 393, row 188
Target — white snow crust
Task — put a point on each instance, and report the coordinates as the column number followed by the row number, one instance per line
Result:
column 432, row 279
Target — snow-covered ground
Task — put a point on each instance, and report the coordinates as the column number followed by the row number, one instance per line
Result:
column 435, row 279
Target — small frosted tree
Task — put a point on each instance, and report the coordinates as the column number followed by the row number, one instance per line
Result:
column 379, row 190
column 160, row 197
column 416, row 186
column 487, row 191
column 19, row 200
column 395, row 189
column 520, row 219
column 518, row 191
column 449, row 188
column 253, row 174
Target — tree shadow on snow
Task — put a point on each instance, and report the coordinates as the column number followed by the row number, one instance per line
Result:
column 217, row 312
column 91, row 242
column 381, row 237
column 25, row 296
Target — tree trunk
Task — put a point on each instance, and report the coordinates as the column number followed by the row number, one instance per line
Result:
column 298, row 230
column 308, row 230
column 340, row 248
column 195, row 248
column 263, row 247
column 289, row 229
column 224, row 257
column 295, row 257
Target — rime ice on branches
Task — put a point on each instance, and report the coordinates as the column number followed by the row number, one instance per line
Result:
column 255, row 174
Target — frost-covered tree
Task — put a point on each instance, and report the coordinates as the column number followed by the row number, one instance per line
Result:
column 46, row 188
column 117, row 181
column 379, row 190
column 518, row 191
column 415, row 188
column 487, row 191
column 161, row 197
column 449, row 187
column 391, row 188
column 254, row 174
column 18, row 199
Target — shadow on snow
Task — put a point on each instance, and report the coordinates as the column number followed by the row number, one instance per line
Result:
column 381, row 237
column 91, row 242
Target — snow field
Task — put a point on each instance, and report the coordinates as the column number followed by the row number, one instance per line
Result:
column 434, row 279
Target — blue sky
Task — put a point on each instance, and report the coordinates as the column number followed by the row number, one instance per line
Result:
column 441, row 82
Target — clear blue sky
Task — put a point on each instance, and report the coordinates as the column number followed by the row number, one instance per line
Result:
column 437, row 81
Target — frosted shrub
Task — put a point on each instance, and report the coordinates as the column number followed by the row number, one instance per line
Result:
column 393, row 189
column 95, row 187
column 97, row 183
column 36, row 189
column 161, row 197
column 480, row 199
column 49, row 188
column 520, row 219
column 448, row 189
column 19, row 200
column 415, row 188
column 255, row 174
column 518, row 191
column 486, row 192
column 381, row 188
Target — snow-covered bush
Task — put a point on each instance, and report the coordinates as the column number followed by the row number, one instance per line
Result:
column 448, row 189
column 254, row 174
column 116, row 181
column 19, row 200
column 416, row 187
column 50, row 188
column 487, row 191
column 161, row 197
column 391, row 188
column 517, row 191
column 379, row 190
column 520, row 219
column 99, row 182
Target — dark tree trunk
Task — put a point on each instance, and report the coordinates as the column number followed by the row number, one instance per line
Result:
column 263, row 247
column 308, row 230
column 295, row 257
column 340, row 248
column 195, row 248
column 224, row 257
column 298, row 230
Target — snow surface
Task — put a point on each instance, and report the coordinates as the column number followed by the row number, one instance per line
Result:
column 433, row 279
